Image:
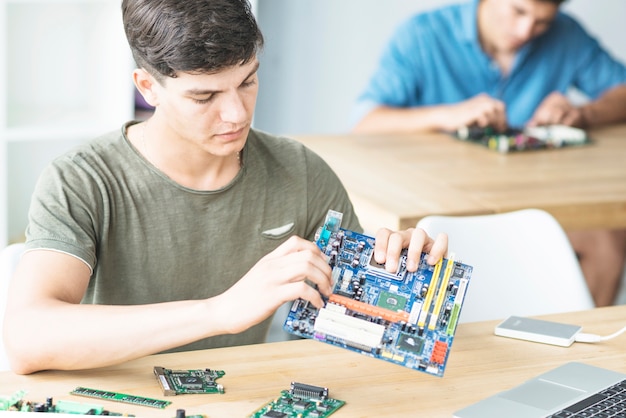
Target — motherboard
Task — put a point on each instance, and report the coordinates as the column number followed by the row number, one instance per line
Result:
column 406, row 318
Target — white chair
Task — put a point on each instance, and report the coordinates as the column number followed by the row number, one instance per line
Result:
column 9, row 257
column 523, row 264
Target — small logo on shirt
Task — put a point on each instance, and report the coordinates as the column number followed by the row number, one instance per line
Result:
column 279, row 231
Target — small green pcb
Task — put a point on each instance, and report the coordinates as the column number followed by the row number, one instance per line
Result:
column 301, row 401
column 120, row 397
column 176, row 382
column 16, row 402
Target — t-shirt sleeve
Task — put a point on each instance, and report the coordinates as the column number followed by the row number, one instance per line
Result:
column 327, row 192
column 597, row 69
column 395, row 82
column 61, row 214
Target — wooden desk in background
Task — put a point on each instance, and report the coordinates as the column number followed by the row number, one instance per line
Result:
column 480, row 364
column 394, row 181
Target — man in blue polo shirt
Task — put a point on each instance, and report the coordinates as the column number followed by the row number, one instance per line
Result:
column 501, row 63
column 491, row 62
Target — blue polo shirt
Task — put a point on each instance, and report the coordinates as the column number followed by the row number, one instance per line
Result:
column 436, row 58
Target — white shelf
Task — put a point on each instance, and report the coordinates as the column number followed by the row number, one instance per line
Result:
column 65, row 76
column 55, row 133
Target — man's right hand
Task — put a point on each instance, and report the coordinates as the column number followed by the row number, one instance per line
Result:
column 295, row 269
column 481, row 110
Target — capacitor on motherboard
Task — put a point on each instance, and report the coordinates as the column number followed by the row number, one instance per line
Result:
column 340, row 236
column 333, row 258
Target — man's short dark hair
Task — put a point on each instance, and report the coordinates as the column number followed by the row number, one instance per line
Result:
column 196, row 36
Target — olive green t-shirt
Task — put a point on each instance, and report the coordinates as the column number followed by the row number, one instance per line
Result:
column 149, row 239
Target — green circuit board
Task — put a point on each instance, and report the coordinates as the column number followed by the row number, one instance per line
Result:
column 120, row 397
column 176, row 382
column 18, row 403
column 301, row 401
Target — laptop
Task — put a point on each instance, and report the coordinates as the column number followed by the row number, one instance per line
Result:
column 571, row 390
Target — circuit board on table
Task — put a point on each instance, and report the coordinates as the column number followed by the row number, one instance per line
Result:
column 17, row 402
column 301, row 401
column 524, row 139
column 176, row 382
column 406, row 318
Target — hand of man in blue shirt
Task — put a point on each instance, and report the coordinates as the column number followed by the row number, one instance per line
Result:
column 556, row 109
column 481, row 110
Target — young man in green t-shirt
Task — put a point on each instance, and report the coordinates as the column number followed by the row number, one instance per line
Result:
column 185, row 231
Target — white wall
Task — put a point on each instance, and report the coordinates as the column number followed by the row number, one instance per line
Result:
column 65, row 77
column 319, row 54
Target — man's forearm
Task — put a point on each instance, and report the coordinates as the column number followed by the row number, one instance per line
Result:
column 88, row 336
column 608, row 108
column 400, row 120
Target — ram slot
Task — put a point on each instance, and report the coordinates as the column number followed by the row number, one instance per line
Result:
column 432, row 288
column 442, row 293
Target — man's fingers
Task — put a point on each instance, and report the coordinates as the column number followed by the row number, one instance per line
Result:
column 382, row 242
column 302, row 290
column 438, row 249
column 293, row 244
column 418, row 241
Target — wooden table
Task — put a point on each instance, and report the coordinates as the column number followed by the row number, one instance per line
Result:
column 480, row 364
column 394, row 181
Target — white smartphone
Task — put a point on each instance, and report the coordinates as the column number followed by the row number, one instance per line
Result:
column 538, row 330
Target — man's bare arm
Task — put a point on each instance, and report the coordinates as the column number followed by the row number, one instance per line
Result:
column 557, row 109
column 46, row 327
column 481, row 110
column 608, row 108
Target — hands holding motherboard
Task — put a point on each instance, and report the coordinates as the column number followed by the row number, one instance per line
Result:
column 389, row 244
column 297, row 269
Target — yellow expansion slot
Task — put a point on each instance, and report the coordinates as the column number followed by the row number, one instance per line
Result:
column 429, row 296
column 442, row 293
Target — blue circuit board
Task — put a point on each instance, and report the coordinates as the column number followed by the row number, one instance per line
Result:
column 406, row 318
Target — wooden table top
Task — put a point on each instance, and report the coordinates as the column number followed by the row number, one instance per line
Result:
column 480, row 364
column 395, row 180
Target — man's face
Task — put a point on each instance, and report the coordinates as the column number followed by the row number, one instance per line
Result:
column 213, row 111
column 508, row 24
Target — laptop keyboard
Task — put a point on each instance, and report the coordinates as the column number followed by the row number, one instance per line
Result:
column 610, row 402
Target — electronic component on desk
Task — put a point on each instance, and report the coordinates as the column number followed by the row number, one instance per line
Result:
column 538, row 330
column 300, row 401
column 16, row 402
column 181, row 413
column 120, row 397
column 524, row 139
column 176, row 382
column 406, row 318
